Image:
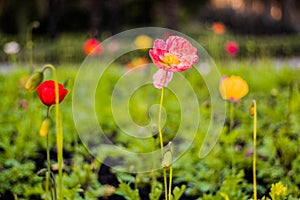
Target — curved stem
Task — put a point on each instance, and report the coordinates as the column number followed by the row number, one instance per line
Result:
column 29, row 42
column 254, row 149
column 59, row 135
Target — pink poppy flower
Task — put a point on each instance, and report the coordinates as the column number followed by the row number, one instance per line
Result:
column 231, row 48
column 175, row 55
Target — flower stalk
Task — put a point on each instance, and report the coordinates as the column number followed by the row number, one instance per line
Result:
column 176, row 54
column 160, row 133
column 48, row 159
column 231, row 125
column 29, row 42
column 253, row 113
column 170, row 182
column 58, row 128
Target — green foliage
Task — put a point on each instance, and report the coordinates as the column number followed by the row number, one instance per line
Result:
column 128, row 193
column 17, row 177
column 276, row 90
column 156, row 191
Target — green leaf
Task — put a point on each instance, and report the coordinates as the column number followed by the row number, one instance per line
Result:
column 156, row 192
column 178, row 192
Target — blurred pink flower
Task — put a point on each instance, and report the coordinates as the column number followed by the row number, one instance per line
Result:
column 92, row 47
column 158, row 78
column 175, row 55
column 231, row 48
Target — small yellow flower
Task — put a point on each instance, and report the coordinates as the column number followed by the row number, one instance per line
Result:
column 233, row 88
column 278, row 191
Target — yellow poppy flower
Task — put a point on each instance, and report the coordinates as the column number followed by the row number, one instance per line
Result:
column 233, row 88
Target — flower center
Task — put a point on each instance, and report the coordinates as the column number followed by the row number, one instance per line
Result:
column 170, row 60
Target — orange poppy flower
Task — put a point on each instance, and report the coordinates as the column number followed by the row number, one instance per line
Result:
column 218, row 28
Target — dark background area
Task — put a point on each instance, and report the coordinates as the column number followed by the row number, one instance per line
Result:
column 97, row 16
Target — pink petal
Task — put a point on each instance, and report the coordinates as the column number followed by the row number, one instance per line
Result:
column 159, row 44
column 158, row 78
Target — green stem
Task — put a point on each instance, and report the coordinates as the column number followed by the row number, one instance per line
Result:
column 160, row 132
column 289, row 108
column 170, row 182
column 59, row 134
column 15, row 196
column 153, row 176
column 254, row 149
column 48, row 160
column 76, row 161
column 231, row 124
column 165, row 184
column 159, row 116
column 29, row 42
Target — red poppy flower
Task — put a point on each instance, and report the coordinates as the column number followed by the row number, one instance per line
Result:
column 92, row 47
column 46, row 92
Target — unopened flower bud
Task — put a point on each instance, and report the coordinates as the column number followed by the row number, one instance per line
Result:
column 34, row 80
column 45, row 127
column 252, row 109
column 167, row 157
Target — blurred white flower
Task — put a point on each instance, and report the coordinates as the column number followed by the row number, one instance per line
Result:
column 11, row 48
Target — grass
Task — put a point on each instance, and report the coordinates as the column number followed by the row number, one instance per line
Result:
column 276, row 90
